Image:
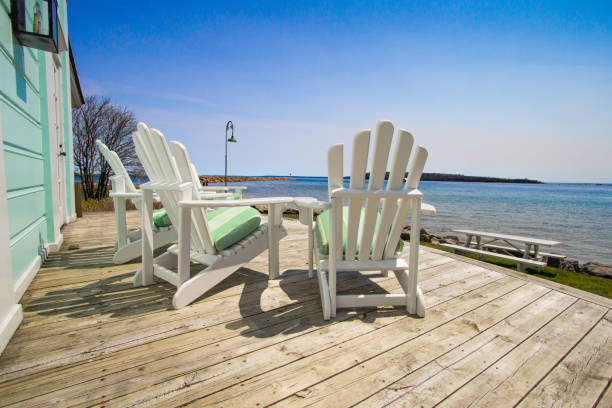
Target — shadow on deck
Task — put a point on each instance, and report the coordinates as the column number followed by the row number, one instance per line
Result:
column 490, row 337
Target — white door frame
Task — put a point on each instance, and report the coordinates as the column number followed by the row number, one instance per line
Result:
column 56, row 138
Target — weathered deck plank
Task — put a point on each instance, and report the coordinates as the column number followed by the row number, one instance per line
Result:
column 581, row 376
column 512, row 376
column 440, row 377
column 89, row 337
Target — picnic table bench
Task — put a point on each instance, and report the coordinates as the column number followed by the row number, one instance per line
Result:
column 531, row 251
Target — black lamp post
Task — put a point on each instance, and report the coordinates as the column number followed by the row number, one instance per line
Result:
column 229, row 125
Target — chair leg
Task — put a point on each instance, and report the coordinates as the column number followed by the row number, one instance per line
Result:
column 120, row 221
column 274, row 222
column 384, row 273
column 325, row 296
column 202, row 283
column 134, row 235
column 420, row 307
column 412, row 302
column 145, row 275
column 273, row 254
column 310, row 249
column 128, row 252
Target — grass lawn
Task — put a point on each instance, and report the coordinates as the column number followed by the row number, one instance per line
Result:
column 589, row 283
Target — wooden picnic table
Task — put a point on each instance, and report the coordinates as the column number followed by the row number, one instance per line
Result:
column 508, row 239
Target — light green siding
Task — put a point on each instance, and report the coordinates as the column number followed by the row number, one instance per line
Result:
column 26, row 144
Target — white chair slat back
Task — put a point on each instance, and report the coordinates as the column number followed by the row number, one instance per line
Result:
column 167, row 162
column 335, row 180
column 399, row 164
column 379, row 242
column 194, row 175
column 156, row 172
column 382, row 145
column 405, row 206
column 115, row 164
column 361, row 148
column 198, row 215
column 171, row 177
column 416, row 169
column 143, row 139
column 112, row 158
column 129, row 184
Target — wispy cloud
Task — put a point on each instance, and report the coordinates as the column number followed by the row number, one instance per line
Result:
column 186, row 98
column 96, row 87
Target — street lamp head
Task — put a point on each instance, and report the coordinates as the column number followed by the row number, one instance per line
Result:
column 229, row 125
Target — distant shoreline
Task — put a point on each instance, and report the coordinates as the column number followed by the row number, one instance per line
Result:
column 238, row 179
column 424, row 177
column 475, row 179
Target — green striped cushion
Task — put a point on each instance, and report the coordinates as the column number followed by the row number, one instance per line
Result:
column 322, row 231
column 231, row 224
column 161, row 219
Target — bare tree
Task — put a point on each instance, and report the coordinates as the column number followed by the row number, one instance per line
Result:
column 96, row 119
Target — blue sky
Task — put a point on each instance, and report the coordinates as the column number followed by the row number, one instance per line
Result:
column 508, row 89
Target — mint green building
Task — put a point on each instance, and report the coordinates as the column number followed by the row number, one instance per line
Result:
column 38, row 88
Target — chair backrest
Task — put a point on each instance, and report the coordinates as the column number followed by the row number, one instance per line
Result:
column 162, row 170
column 112, row 158
column 377, row 236
column 114, row 161
column 187, row 170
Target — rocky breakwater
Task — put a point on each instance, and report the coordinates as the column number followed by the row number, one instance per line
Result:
column 591, row 268
column 239, row 179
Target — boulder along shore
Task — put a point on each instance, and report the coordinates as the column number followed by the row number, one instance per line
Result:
column 590, row 268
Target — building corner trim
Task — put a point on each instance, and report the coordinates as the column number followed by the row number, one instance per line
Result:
column 9, row 324
column 26, row 278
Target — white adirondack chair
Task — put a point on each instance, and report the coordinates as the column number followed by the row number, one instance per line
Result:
column 370, row 247
column 128, row 245
column 179, row 193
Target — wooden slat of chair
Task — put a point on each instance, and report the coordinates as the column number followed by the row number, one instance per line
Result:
column 171, row 176
column 361, row 148
column 414, row 175
column 143, row 131
column 198, row 215
column 335, row 180
column 396, row 179
column 157, row 154
column 382, row 145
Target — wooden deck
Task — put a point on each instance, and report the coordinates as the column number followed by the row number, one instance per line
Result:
column 491, row 338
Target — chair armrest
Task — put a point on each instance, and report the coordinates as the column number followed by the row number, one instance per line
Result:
column 235, row 203
column 225, row 188
column 213, row 188
column 348, row 193
column 306, row 207
column 126, row 195
column 428, row 209
column 209, row 195
column 311, row 203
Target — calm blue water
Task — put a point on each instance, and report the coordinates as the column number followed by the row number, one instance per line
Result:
column 578, row 215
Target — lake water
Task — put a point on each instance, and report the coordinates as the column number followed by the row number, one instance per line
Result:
column 578, row 215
